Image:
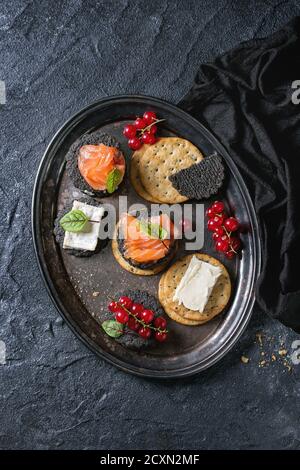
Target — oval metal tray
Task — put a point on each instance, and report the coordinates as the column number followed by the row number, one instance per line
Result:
column 71, row 281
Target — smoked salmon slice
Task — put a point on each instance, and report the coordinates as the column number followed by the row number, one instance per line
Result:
column 142, row 247
column 95, row 162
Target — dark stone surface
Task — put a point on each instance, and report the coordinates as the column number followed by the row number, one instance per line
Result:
column 57, row 57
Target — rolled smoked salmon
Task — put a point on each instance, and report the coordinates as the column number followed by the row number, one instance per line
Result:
column 95, row 162
column 142, row 247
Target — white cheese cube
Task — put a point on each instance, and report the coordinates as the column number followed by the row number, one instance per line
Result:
column 88, row 239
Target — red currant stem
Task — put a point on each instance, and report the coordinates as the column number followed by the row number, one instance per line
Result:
column 150, row 125
column 229, row 235
column 145, row 325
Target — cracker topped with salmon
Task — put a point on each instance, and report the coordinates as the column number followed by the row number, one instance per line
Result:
column 96, row 164
column 147, row 244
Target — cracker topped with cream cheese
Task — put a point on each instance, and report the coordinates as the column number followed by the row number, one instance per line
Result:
column 198, row 297
column 197, row 284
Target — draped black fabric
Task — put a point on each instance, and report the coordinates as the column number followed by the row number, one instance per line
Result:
column 245, row 98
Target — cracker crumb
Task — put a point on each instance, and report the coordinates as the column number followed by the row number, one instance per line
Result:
column 273, row 357
column 259, row 336
column 95, row 294
column 262, row 363
column 282, row 352
column 288, row 366
column 262, row 353
column 244, row 359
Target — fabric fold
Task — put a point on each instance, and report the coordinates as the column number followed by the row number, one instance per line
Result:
column 245, row 98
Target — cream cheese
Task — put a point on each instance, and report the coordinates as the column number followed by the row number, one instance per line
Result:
column 197, row 284
column 88, row 239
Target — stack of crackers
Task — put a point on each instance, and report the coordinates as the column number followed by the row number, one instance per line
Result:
column 152, row 165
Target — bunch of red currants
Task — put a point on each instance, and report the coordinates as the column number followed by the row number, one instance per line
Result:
column 223, row 227
column 142, row 131
column 139, row 319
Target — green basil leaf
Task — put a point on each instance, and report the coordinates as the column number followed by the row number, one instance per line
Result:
column 74, row 221
column 113, row 328
column 153, row 230
column 113, row 180
column 163, row 233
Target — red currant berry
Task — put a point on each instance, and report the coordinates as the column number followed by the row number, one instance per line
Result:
column 216, row 236
column 210, row 213
column 229, row 254
column 129, row 131
column 148, row 138
column 144, row 332
column 160, row 322
column 235, row 243
column 113, row 307
column 140, row 123
column 125, row 302
column 149, row 117
column 218, row 207
column 218, row 221
column 222, row 244
column 231, row 224
column 133, row 324
column 136, row 309
column 122, row 316
column 153, row 129
column 219, row 231
column 147, row 316
column 211, row 225
column 160, row 336
column 134, row 143
column 145, row 137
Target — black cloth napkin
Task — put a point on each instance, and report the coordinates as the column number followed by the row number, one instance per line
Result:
column 245, row 98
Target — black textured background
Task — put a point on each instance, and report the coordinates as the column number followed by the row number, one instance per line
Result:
column 56, row 57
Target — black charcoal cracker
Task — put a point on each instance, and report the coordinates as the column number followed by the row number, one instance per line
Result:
column 94, row 138
column 142, row 297
column 201, row 180
column 60, row 233
column 131, row 339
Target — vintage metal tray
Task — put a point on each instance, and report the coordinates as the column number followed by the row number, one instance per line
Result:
column 71, row 281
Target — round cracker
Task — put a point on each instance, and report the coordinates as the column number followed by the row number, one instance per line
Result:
column 217, row 301
column 172, row 313
column 172, row 309
column 162, row 159
column 135, row 175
